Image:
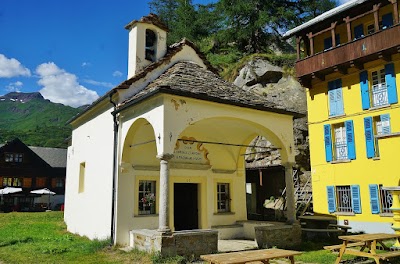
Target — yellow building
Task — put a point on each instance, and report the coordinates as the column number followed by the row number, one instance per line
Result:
column 349, row 62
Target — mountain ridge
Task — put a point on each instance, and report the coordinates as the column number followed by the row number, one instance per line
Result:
column 34, row 120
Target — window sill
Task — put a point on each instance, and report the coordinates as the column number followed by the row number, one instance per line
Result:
column 344, row 213
column 340, row 161
column 146, row 215
column 395, row 134
column 337, row 116
column 386, row 214
column 379, row 107
column 224, row 213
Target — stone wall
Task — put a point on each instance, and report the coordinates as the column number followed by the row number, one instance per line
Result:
column 280, row 236
column 192, row 243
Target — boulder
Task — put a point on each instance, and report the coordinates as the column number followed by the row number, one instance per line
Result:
column 263, row 78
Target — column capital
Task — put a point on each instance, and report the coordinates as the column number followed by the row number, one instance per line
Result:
column 165, row 156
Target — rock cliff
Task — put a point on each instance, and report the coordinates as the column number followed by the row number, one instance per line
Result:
column 270, row 81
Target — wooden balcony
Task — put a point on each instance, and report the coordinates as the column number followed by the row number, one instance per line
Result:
column 381, row 44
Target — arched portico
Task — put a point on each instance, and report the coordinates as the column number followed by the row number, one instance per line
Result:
column 150, row 153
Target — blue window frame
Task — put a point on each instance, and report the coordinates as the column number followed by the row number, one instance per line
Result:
column 375, row 126
column 381, row 91
column 339, row 141
column 335, row 96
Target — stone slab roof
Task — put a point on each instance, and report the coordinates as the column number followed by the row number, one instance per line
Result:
column 55, row 157
column 191, row 80
column 150, row 19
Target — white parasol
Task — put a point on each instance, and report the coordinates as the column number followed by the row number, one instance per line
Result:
column 9, row 190
column 44, row 191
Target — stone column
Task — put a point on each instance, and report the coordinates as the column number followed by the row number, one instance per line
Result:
column 290, row 203
column 163, row 223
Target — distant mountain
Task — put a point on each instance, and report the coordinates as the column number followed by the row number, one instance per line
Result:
column 34, row 120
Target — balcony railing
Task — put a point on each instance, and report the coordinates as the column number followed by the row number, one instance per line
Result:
column 340, row 150
column 379, row 95
column 381, row 43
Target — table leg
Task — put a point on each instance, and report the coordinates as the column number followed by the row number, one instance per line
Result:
column 341, row 252
column 291, row 259
column 373, row 247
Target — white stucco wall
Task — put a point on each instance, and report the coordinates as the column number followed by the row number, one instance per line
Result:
column 136, row 46
column 89, row 213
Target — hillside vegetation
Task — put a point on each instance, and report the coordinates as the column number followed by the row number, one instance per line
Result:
column 34, row 120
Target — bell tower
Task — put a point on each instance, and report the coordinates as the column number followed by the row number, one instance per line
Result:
column 147, row 42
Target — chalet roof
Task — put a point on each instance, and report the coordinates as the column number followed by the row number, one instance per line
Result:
column 150, row 19
column 55, row 157
column 191, row 80
column 333, row 12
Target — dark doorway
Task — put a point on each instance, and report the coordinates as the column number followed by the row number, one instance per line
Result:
column 185, row 206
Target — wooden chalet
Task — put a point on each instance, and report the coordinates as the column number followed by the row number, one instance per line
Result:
column 32, row 168
column 347, row 43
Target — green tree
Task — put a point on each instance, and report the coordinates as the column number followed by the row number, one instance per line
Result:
column 186, row 20
column 165, row 9
column 253, row 25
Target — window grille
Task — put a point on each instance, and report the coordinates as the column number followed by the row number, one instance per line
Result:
column 340, row 145
column 343, row 194
column 379, row 89
column 223, row 200
column 386, row 200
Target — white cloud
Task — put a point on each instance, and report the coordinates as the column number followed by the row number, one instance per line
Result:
column 14, row 87
column 117, row 74
column 86, row 64
column 104, row 84
column 12, row 68
column 62, row 87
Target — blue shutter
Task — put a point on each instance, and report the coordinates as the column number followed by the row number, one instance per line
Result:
column 385, row 121
column 351, row 149
column 359, row 31
column 387, row 20
column 339, row 97
column 328, row 142
column 356, row 199
column 332, row 98
column 369, row 137
column 330, row 190
column 364, row 90
column 327, row 43
column 391, row 83
column 374, row 198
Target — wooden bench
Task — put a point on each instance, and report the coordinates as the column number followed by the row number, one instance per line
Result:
column 340, row 227
column 387, row 255
column 251, row 256
column 334, row 248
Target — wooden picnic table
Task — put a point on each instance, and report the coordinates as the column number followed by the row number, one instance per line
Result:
column 261, row 255
column 368, row 242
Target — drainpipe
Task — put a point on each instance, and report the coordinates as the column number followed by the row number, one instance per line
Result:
column 112, row 240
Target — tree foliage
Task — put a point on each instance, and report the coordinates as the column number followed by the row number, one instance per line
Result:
column 186, row 20
column 251, row 26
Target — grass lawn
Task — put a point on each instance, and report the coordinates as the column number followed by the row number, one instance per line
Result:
column 42, row 238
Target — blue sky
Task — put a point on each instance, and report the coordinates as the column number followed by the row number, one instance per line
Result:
column 72, row 51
